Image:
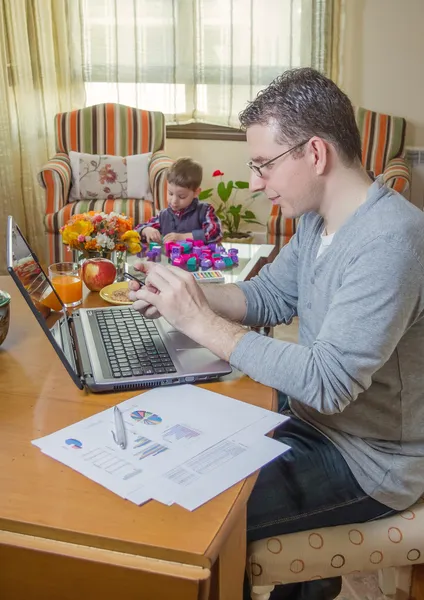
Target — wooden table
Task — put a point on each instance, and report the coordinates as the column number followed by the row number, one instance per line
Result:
column 61, row 535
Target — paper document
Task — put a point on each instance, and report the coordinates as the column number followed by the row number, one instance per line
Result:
column 181, row 441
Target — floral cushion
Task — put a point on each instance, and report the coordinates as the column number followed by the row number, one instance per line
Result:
column 107, row 177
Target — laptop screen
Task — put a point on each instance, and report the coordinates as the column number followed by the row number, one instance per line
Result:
column 39, row 294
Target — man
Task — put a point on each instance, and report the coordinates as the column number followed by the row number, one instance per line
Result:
column 354, row 274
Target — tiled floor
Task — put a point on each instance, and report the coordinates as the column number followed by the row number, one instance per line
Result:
column 363, row 586
column 355, row 587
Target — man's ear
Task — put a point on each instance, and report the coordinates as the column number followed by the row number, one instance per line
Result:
column 319, row 154
column 197, row 192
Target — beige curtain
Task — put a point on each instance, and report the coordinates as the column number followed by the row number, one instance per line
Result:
column 327, row 37
column 40, row 75
column 194, row 60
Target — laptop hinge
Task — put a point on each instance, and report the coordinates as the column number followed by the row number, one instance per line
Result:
column 79, row 348
column 72, row 344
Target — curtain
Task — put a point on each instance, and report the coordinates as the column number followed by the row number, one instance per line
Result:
column 326, row 37
column 194, row 60
column 40, row 75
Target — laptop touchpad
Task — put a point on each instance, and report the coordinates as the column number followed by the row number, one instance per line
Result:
column 180, row 341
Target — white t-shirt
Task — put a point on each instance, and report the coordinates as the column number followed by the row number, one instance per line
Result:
column 325, row 242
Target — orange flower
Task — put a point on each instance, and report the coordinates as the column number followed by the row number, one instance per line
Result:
column 91, row 244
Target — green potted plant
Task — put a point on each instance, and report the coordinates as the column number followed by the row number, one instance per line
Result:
column 231, row 213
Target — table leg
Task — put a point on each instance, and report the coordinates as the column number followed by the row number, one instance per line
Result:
column 229, row 569
column 417, row 591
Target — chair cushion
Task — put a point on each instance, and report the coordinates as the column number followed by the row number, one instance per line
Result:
column 110, row 129
column 280, row 229
column 328, row 552
column 139, row 210
column 382, row 138
column 108, row 177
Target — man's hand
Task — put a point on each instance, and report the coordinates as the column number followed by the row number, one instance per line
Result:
column 146, row 309
column 175, row 295
column 152, row 235
column 175, row 237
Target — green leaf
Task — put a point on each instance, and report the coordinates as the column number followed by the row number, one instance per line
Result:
column 235, row 210
column 205, row 194
column 242, row 185
column 249, row 215
column 224, row 191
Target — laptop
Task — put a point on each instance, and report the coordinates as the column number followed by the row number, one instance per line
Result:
column 110, row 348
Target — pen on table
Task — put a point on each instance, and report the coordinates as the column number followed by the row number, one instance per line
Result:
column 129, row 276
column 119, row 434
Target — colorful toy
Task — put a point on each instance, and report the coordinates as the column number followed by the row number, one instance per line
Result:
column 154, row 254
column 192, row 263
column 233, row 253
column 194, row 254
column 205, row 264
column 176, row 252
column 219, row 264
column 143, row 252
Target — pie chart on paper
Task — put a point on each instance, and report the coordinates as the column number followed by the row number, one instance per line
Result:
column 146, row 417
column 73, row 443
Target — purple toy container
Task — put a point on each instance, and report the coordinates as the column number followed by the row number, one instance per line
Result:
column 233, row 253
column 205, row 264
column 219, row 264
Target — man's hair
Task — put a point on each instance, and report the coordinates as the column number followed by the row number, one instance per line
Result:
column 186, row 173
column 302, row 103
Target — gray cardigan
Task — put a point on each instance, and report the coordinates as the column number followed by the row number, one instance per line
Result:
column 357, row 374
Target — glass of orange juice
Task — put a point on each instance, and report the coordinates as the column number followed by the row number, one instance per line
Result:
column 66, row 280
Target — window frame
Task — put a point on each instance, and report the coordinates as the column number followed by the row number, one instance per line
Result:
column 205, row 131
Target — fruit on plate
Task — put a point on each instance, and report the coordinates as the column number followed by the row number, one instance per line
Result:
column 97, row 273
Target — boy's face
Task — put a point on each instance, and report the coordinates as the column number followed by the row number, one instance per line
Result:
column 180, row 197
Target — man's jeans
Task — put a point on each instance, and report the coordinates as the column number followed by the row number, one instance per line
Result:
column 308, row 487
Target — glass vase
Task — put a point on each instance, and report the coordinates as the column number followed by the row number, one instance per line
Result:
column 83, row 255
column 119, row 258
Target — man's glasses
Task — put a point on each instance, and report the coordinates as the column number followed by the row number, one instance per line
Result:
column 257, row 169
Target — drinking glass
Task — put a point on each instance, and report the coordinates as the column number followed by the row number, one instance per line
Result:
column 66, row 280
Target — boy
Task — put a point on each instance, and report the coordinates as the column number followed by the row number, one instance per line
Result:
column 185, row 217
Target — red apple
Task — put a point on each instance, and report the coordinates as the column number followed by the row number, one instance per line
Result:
column 97, row 273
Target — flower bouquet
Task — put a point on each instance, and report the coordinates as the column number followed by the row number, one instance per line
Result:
column 95, row 235
column 98, row 233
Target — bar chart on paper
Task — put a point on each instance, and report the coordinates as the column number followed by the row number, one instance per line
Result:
column 108, row 461
column 179, row 432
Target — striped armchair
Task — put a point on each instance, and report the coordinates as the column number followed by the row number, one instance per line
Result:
column 383, row 139
column 103, row 129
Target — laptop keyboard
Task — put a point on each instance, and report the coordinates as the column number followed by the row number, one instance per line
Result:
column 133, row 345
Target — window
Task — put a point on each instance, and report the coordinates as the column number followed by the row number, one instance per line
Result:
column 194, row 60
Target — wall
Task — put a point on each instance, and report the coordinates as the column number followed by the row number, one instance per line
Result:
column 383, row 59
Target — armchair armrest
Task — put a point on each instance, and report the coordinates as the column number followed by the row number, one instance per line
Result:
column 55, row 178
column 397, row 175
column 158, row 167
